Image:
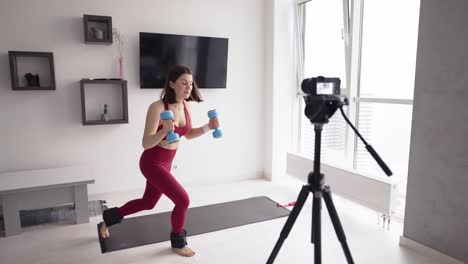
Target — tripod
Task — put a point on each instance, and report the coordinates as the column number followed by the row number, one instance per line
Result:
column 316, row 185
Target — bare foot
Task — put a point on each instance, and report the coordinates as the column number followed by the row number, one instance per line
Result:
column 185, row 251
column 104, row 231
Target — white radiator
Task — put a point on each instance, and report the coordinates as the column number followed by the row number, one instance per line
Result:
column 377, row 194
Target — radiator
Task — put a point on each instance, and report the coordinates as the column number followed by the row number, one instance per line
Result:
column 377, row 194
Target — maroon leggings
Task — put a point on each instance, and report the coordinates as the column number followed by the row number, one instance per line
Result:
column 155, row 164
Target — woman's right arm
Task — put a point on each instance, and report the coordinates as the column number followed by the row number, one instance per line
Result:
column 151, row 136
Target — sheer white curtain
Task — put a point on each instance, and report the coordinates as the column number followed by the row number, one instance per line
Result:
column 299, row 45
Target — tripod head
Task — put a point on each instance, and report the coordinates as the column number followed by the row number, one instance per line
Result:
column 322, row 100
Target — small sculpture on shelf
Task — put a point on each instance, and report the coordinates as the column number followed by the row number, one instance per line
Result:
column 104, row 115
column 98, row 33
column 32, row 80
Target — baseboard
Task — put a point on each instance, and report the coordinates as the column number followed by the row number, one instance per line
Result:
column 427, row 251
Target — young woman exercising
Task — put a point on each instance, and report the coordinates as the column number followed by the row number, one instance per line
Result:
column 156, row 159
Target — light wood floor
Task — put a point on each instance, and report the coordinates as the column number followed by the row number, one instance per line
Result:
column 78, row 244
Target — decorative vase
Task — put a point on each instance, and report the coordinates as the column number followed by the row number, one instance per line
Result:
column 121, row 73
column 98, row 33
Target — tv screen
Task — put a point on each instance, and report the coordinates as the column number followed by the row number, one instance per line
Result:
column 205, row 56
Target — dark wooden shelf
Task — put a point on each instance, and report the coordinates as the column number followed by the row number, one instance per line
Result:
column 31, row 88
column 110, row 81
column 103, row 24
column 109, row 122
column 123, row 85
column 14, row 74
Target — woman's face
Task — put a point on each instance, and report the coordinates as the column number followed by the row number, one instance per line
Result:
column 183, row 86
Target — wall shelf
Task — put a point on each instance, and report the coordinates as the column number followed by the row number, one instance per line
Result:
column 39, row 66
column 97, row 92
column 97, row 29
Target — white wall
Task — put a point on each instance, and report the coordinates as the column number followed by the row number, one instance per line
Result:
column 42, row 129
column 280, row 90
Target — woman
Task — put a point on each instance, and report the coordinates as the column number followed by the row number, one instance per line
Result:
column 156, row 160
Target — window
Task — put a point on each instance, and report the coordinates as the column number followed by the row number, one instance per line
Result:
column 323, row 39
column 385, row 93
column 387, row 127
column 325, row 55
column 389, row 40
column 379, row 81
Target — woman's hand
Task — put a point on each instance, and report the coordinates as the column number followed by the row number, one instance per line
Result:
column 168, row 125
column 213, row 123
column 163, row 143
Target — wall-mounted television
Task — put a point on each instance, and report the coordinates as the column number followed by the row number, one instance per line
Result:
column 205, row 56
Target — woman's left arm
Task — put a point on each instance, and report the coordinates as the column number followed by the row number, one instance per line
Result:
column 198, row 131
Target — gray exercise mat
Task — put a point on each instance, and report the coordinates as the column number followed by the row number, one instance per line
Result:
column 148, row 229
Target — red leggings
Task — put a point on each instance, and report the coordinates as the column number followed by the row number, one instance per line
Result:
column 155, row 164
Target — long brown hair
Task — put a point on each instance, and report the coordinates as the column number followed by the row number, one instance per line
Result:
column 168, row 95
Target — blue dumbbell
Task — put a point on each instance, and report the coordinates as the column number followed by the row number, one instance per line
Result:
column 217, row 133
column 171, row 135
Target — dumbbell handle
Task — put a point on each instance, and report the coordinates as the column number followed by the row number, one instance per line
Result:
column 171, row 136
column 217, row 133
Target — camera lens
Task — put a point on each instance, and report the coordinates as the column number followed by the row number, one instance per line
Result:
column 308, row 86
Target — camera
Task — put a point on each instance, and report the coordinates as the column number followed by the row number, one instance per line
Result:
column 321, row 86
column 322, row 99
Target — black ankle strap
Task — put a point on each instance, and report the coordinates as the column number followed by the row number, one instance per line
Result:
column 111, row 217
column 179, row 240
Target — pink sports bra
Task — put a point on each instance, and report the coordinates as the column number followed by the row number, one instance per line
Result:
column 179, row 130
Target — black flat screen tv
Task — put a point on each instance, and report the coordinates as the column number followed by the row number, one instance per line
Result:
column 205, row 56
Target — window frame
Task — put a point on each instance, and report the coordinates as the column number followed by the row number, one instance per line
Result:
column 353, row 21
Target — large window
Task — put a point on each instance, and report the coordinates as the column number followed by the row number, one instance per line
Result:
column 384, row 98
column 389, row 39
column 324, row 55
column 382, row 93
column 324, row 52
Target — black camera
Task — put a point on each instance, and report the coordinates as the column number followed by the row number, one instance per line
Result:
column 322, row 99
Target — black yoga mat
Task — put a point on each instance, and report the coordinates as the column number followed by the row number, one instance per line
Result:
column 148, row 229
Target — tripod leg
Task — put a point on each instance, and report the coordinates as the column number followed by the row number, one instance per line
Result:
column 316, row 227
column 290, row 222
column 336, row 223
